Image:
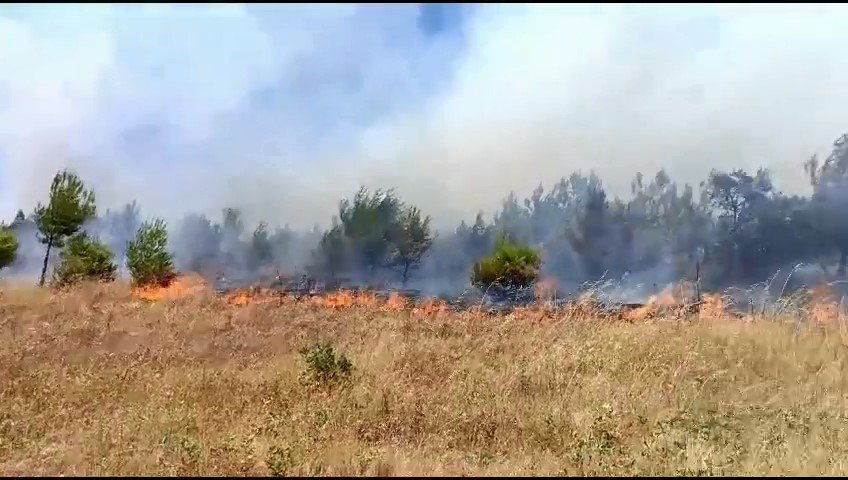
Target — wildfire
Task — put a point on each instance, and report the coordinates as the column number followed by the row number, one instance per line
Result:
column 545, row 289
column 645, row 312
column 712, row 307
column 239, row 298
column 347, row 299
column 179, row 287
column 430, row 306
column 822, row 308
column 672, row 301
column 395, row 303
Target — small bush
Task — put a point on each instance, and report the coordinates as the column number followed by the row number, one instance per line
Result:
column 8, row 246
column 511, row 265
column 148, row 259
column 280, row 461
column 84, row 258
column 324, row 365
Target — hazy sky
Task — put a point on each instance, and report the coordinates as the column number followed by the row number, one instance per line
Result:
column 283, row 110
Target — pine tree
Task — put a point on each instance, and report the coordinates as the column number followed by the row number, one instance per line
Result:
column 69, row 207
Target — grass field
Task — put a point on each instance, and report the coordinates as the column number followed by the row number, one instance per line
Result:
column 94, row 382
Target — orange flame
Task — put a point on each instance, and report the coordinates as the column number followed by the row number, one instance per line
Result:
column 645, row 312
column 239, row 298
column 395, row 303
column 430, row 306
column 712, row 307
column 546, row 288
column 347, row 299
column 179, row 287
column 822, row 308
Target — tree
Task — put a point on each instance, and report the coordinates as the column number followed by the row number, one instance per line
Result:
column 511, row 265
column 148, row 258
column 84, row 258
column 120, row 227
column 369, row 224
column 331, row 254
column 19, row 218
column 8, row 246
column 233, row 246
column 830, row 198
column 412, row 241
column 69, row 207
column 199, row 242
column 261, row 250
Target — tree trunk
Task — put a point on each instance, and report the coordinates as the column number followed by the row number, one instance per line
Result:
column 46, row 258
column 405, row 273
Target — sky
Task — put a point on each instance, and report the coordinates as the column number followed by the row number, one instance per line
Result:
column 282, row 110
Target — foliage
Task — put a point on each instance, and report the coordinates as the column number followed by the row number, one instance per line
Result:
column 8, row 246
column 369, row 224
column 279, row 460
column 199, row 241
column 84, row 258
column 412, row 242
column 148, row 258
column 120, row 226
column 70, row 205
column 331, row 254
column 261, row 250
column 372, row 232
column 511, row 265
column 324, row 365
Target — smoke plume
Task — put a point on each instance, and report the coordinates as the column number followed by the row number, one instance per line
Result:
column 282, row 110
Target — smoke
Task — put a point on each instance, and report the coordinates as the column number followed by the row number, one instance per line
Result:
column 282, row 110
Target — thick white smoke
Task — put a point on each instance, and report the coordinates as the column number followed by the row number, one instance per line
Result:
column 283, row 110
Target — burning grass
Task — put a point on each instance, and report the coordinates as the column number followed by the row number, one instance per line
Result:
column 179, row 287
column 96, row 383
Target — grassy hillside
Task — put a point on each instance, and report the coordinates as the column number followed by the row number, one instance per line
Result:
column 94, row 382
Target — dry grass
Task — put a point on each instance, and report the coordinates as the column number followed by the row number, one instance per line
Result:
column 96, row 383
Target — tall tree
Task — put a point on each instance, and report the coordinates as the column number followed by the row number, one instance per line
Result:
column 120, row 227
column 412, row 241
column 369, row 224
column 261, row 250
column 70, row 205
column 199, row 242
column 331, row 255
column 830, row 198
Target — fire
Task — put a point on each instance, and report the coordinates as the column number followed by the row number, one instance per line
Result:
column 672, row 301
column 645, row 312
column 395, row 303
column 179, row 287
column 430, row 306
column 546, row 289
column 822, row 309
column 712, row 306
column 347, row 299
column 239, row 298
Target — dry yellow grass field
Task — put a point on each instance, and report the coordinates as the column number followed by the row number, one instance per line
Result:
column 95, row 382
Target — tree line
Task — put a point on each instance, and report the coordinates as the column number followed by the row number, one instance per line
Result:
column 737, row 228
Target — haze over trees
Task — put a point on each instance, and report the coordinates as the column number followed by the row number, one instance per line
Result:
column 735, row 228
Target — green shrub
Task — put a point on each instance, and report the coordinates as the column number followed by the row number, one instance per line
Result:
column 84, row 258
column 511, row 265
column 148, row 259
column 280, row 460
column 324, row 365
column 8, row 246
